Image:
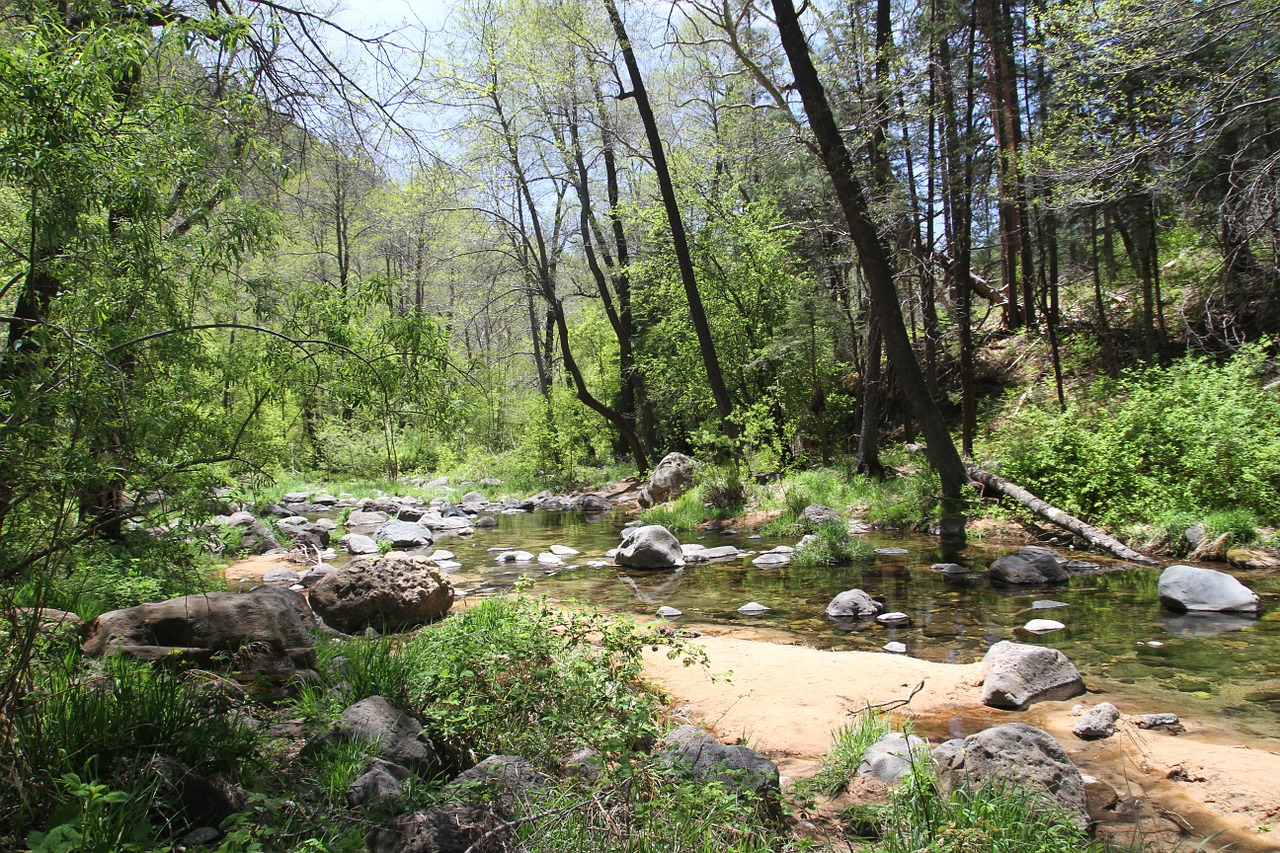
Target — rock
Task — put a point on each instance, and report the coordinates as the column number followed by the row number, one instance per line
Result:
column 672, row 478
column 404, row 534
column 766, row 561
column 1099, row 797
column 548, row 559
column 889, row 759
column 1194, row 534
column 264, row 632
column 486, row 521
column 451, row 828
column 1019, row 674
column 388, row 592
column 698, row 755
column 326, row 524
column 1040, row 554
column 1098, row 722
column 257, row 539
column 1156, row 721
column 324, row 500
column 185, row 799
column 591, row 504
column 357, row 544
column 1017, row 754
column 287, row 577
column 296, row 497
column 949, row 568
column 436, row 483
column 1082, row 567
column 437, row 523
column 895, row 648
column 362, row 520
column 491, row 482
column 1031, row 565
column 892, row 552
column 473, row 498
column 410, row 513
column 1184, row 588
column 563, row 551
column 815, row 515
column 48, row 621
column 448, row 510
column 1253, row 558
column 669, row 612
column 515, row 557
column 853, row 603
column 753, row 608
column 377, row 783
column 894, row 618
column 1047, row 604
column 944, row 752
column 499, row 780
column 650, row 547
column 1043, row 626
column 236, row 519
column 394, row 733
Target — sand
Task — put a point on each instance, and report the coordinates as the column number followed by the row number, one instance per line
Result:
column 786, row 700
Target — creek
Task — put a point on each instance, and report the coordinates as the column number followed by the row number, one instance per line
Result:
column 1203, row 666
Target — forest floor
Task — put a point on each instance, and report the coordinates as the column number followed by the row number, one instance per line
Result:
column 786, row 701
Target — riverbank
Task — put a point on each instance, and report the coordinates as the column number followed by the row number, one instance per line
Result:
column 786, row 700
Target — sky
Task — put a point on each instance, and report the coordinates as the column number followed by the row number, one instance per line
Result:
column 366, row 16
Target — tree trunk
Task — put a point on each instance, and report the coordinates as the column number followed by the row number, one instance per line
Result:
column 868, row 461
column 873, row 256
column 1090, row 534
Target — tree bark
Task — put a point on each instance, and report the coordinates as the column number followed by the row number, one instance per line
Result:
column 1066, row 521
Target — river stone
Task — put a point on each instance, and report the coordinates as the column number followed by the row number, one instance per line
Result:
column 296, row 497
column 563, row 551
column 1021, row 755
column 720, row 552
column 548, row 559
column 765, row 561
column 264, row 632
column 889, row 759
column 949, row 569
column 439, row 523
column 236, row 519
column 672, row 478
column 395, row 734
column 1155, row 721
column 404, row 534
column 365, row 520
column 669, row 612
column 377, row 784
column 357, row 544
column 894, row 618
column 753, row 608
column 1043, row 626
column 697, row 754
column 1184, row 588
column 388, row 592
column 281, row 576
column 1031, row 565
column 853, row 604
column 473, row 498
column 895, row 648
column 892, row 552
column 650, row 547
column 590, row 504
column 486, row 521
column 410, row 513
column 1019, row 674
column 818, row 514
column 1047, row 604
column 1098, row 722
column 1253, row 558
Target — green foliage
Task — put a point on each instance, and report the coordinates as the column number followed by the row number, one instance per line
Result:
column 95, row 819
column 1195, row 439
column 684, row 513
column 831, row 544
column 849, row 744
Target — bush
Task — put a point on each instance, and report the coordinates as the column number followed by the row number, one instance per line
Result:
column 829, row 545
column 1198, row 438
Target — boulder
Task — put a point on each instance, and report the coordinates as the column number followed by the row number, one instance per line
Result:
column 1184, row 588
column 387, row 592
column 410, row 513
column 486, row 521
column 187, row 802
column 357, row 544
column 1253, row 558
column 1098, row 722
column 309, row 536
column 853, row 604
column 47, row 621
column 592, row 504
column 257, row 539
column 1031, row 565
column 816, row 514
column 693, row 752
column 451, row 828
column 365, row 520
column 264, row 632
column 440, row 523
column 500, row 781
column 404, row 534
column 296, row 497
column 1016, row 754
column 889, row 759
column 380, row 782
column 391, row 732
column 1019, row 674
column 672, row 478
column 473, row 498
column 650, row 547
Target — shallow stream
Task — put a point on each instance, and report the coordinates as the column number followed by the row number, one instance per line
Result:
column 1117, row 634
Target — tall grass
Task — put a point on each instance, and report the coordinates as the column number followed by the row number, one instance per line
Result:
column 849, row 744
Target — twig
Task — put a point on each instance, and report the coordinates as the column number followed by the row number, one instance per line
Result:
column 893, row 703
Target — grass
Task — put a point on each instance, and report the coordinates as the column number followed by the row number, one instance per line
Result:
column 849, row 744
column 831, row 544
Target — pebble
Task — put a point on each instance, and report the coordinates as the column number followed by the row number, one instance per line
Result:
column 1041, row 626
column 669, row 612
column 893, row 618
column 563, row 551
column 752, row 608
column 895, row 648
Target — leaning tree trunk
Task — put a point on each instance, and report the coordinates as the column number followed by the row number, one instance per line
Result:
column 1090, row 534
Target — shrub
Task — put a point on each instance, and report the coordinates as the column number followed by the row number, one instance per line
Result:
column 849, row 744
column 831, row 544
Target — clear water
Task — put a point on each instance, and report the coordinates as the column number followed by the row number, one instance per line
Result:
column 1206, row 667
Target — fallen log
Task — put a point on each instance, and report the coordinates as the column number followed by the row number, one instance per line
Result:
column 1066, row 521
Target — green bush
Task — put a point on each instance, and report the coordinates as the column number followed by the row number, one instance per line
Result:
column 1198, row 438
column 829, row 545
column 849, row 744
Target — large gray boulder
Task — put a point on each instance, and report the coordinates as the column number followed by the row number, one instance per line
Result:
column 650, row 547
column 404, row 534
column 358, row 545
column 363, row 521
column 889, row 759
column 590, row 504
column 387, row 592
column 439, row 522
column 1031, row 565
column 695, row 753
column 672, row 478
column 1016, row 754
column 1184, row 588
column 815, row 515
column 1019, row 674
column 451, row 828
column 853, row 604
column 264, row 632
